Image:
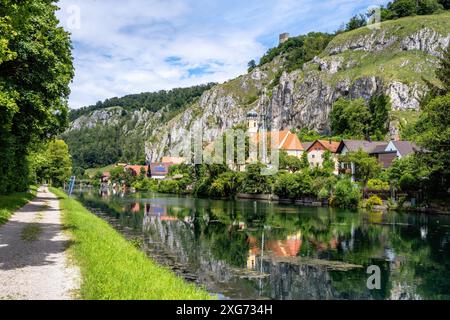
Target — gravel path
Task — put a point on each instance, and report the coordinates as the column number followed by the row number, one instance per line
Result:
column 33, row 258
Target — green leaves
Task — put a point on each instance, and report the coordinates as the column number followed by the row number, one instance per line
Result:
column 35, row 72
column 360, row 120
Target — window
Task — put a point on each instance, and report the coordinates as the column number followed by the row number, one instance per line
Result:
column 313, row 156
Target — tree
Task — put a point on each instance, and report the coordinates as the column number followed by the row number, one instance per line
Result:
column 432, row 132
column 428, row 7
column 443, row 72
column 304, row 160
column 346, row 194
column 379, row 107
column 445, row 4
column 251, row 65
column 434, row 135
column 35, row 72
column 358, row 119
column 288, row 162
column 57, row 167
column 366, row 167
column 403, row 8
column 328, row 164
column 254, row 182
column 350, row 118
column 356, row 22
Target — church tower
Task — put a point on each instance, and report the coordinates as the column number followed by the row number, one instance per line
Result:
column 252, row 120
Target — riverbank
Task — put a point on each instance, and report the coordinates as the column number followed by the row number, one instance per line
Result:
column 111, row 267
column 12, row 202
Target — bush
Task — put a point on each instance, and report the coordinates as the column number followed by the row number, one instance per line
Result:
column 169, row 186
column 226, row 184
column 146, row 185
column 378, row 185
column 323, row 193
column 346, row 194
column 407, row 182
column 373, row 201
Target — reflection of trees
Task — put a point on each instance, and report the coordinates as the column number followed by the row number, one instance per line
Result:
column 413, row 263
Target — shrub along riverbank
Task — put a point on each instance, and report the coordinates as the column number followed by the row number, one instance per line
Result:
column 111, row 267
column 12, row 202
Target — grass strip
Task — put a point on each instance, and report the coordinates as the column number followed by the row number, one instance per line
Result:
column 111, row 267
column 12, row 202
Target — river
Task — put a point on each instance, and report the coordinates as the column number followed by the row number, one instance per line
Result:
column 262, row 250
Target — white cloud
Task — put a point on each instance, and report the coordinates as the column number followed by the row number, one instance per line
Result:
column 124, row 47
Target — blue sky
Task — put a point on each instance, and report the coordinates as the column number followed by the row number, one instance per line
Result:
column 123, row 47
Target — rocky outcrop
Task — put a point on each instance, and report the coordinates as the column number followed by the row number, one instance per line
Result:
column 358, row 64
column 426, row 40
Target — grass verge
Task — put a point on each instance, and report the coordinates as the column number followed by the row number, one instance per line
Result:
column 12, row 202
column 111, row 267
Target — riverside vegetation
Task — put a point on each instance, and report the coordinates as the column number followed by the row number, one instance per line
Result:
column 424, row 174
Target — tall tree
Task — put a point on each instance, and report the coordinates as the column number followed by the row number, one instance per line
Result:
column 35, row 72
column 433, row 131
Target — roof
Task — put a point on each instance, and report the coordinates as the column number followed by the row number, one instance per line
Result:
column 364, row 145
column 136, row 168
column 285, row 140
column 331, row 146
column 306, row 145
column 252, row 113
column 173, row 160
column 406, row 147
column 160, row 168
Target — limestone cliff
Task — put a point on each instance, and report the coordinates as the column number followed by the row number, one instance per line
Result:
column 393, row 59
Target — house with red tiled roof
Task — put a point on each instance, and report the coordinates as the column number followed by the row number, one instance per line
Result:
column 136, row 170
column 283, row 140
column 317, row 150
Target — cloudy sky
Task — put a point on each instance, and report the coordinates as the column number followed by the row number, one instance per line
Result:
column 123, row 47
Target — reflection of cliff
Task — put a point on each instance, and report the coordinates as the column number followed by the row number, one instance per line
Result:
column 177, row 239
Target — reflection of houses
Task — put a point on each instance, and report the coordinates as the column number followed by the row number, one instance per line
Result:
column 289, row 247
column 105, row 177
column 158, row 211
column 316, row 152
column 135, row 207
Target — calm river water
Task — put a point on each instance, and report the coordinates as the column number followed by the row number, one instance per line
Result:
column 262, row 250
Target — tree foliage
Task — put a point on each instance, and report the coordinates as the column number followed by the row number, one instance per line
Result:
column 35, row 71
column 172, row 101
column 366, row 166
column 298, row 50
column 361, row 120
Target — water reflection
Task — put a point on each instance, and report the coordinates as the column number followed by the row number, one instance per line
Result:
column 256, row 250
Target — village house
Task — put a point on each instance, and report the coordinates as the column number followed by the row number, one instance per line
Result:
column 136, row 170
column 316, row 152
column 284, row 140
column 173, row 160
column 160, row 170
column 385, row 152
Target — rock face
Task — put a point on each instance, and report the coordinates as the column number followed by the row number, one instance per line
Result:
column 392, row 60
